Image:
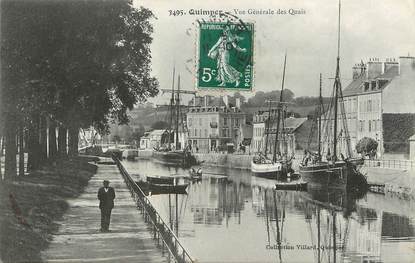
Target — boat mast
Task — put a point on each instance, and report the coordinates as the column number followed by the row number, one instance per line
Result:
column 318, row 234
column 267, row 127
column 279, row 109
column 177, row 113
column 336, row 87
column 177, row 218
column 320, row 111
column 278, row 227
column 334, row 237
column 171, row 108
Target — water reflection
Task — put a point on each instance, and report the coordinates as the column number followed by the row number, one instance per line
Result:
column 241, row 218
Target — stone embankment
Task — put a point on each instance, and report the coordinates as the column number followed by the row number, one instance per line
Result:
column 397, row 181
column 238, row 161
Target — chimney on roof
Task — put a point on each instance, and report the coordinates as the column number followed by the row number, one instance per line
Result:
column 358, row 69
column 226, row 101
column 389, row 63
column 407, row 67
column 374, row 68
column 238, row 103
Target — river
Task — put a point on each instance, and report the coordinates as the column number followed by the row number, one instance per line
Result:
column 231, row 216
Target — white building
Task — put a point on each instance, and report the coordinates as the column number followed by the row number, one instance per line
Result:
column 381, row 91
column 215, row 125
column 145, row 141
column 259, row 136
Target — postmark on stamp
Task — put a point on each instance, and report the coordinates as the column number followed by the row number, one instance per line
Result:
column 225, row 56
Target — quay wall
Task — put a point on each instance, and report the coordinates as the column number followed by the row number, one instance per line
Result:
column 145, row 154
column 238, row 161
column 398, row 181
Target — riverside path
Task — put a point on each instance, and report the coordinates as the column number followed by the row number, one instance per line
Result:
column 79, row 238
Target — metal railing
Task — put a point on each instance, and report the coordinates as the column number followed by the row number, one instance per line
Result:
column 395, row 164
column 162, row 233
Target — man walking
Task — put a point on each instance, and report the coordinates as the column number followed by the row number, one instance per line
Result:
column 106, row 196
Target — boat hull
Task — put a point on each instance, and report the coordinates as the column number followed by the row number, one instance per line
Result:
column 338, row 175
column 177, row 158
column 156, row 189
column 276, row 171
column 160, row 180
column 167, row 189
column 294, row 186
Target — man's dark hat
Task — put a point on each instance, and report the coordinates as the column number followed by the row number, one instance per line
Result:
column 106, row 181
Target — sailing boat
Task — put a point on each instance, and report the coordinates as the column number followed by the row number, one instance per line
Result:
column 279, row 156
column 261, row 165
column 280, row 165
column 174, row 155
column 334, row 171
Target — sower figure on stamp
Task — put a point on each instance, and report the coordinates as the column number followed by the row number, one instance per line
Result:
column 221, row 52
column 106, row 196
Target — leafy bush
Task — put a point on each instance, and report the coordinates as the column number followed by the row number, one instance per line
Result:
column 367, row 147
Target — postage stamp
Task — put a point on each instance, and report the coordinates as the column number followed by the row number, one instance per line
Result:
column 225, row 56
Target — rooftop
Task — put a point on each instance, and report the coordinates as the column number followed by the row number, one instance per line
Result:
column 356, row 86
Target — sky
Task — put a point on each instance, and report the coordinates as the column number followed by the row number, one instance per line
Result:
column 369, row 29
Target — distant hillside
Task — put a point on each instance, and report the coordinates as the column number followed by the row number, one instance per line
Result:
column 303, row 111
column 147, row 117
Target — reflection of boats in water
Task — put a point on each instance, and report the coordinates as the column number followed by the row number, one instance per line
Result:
column 167, row 189
column 156, row 189
column 195, row 174
column 327, row 214
column 295, row 186
column 334, row 171
column 169, row 180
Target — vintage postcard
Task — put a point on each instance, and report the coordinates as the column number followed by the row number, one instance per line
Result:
column 207, row 131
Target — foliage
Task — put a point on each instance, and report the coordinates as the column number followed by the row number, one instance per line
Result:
column 309, row 101
column 396, row 140
column 158, row 125
column 367, row 146
column 137, row 134
column 77, row 63
column 116, row 138
column 260, row 97
column 60, row 59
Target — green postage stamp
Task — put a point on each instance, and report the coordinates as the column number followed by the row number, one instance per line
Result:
column 225, row 56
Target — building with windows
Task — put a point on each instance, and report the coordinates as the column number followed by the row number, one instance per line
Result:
column 291, row 124
column 379, row 97
column 212, row 125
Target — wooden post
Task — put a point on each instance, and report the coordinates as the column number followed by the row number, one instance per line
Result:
column 21, row 151
column 42, row 139
column 62, row 141
column 1, row 154
column 52, row 139
column 10, row 158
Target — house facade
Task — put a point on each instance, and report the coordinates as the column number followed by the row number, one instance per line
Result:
column 380, row 93
column 291, row 124
column 214, row 127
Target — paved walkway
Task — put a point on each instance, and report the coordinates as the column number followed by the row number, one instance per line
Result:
column 79, row 238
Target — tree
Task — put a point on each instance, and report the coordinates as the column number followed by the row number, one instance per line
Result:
column 260, row 97
column 367, row 147
column 61, row 66
column 116, row 138
column 137, row 134
column 159, row 125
